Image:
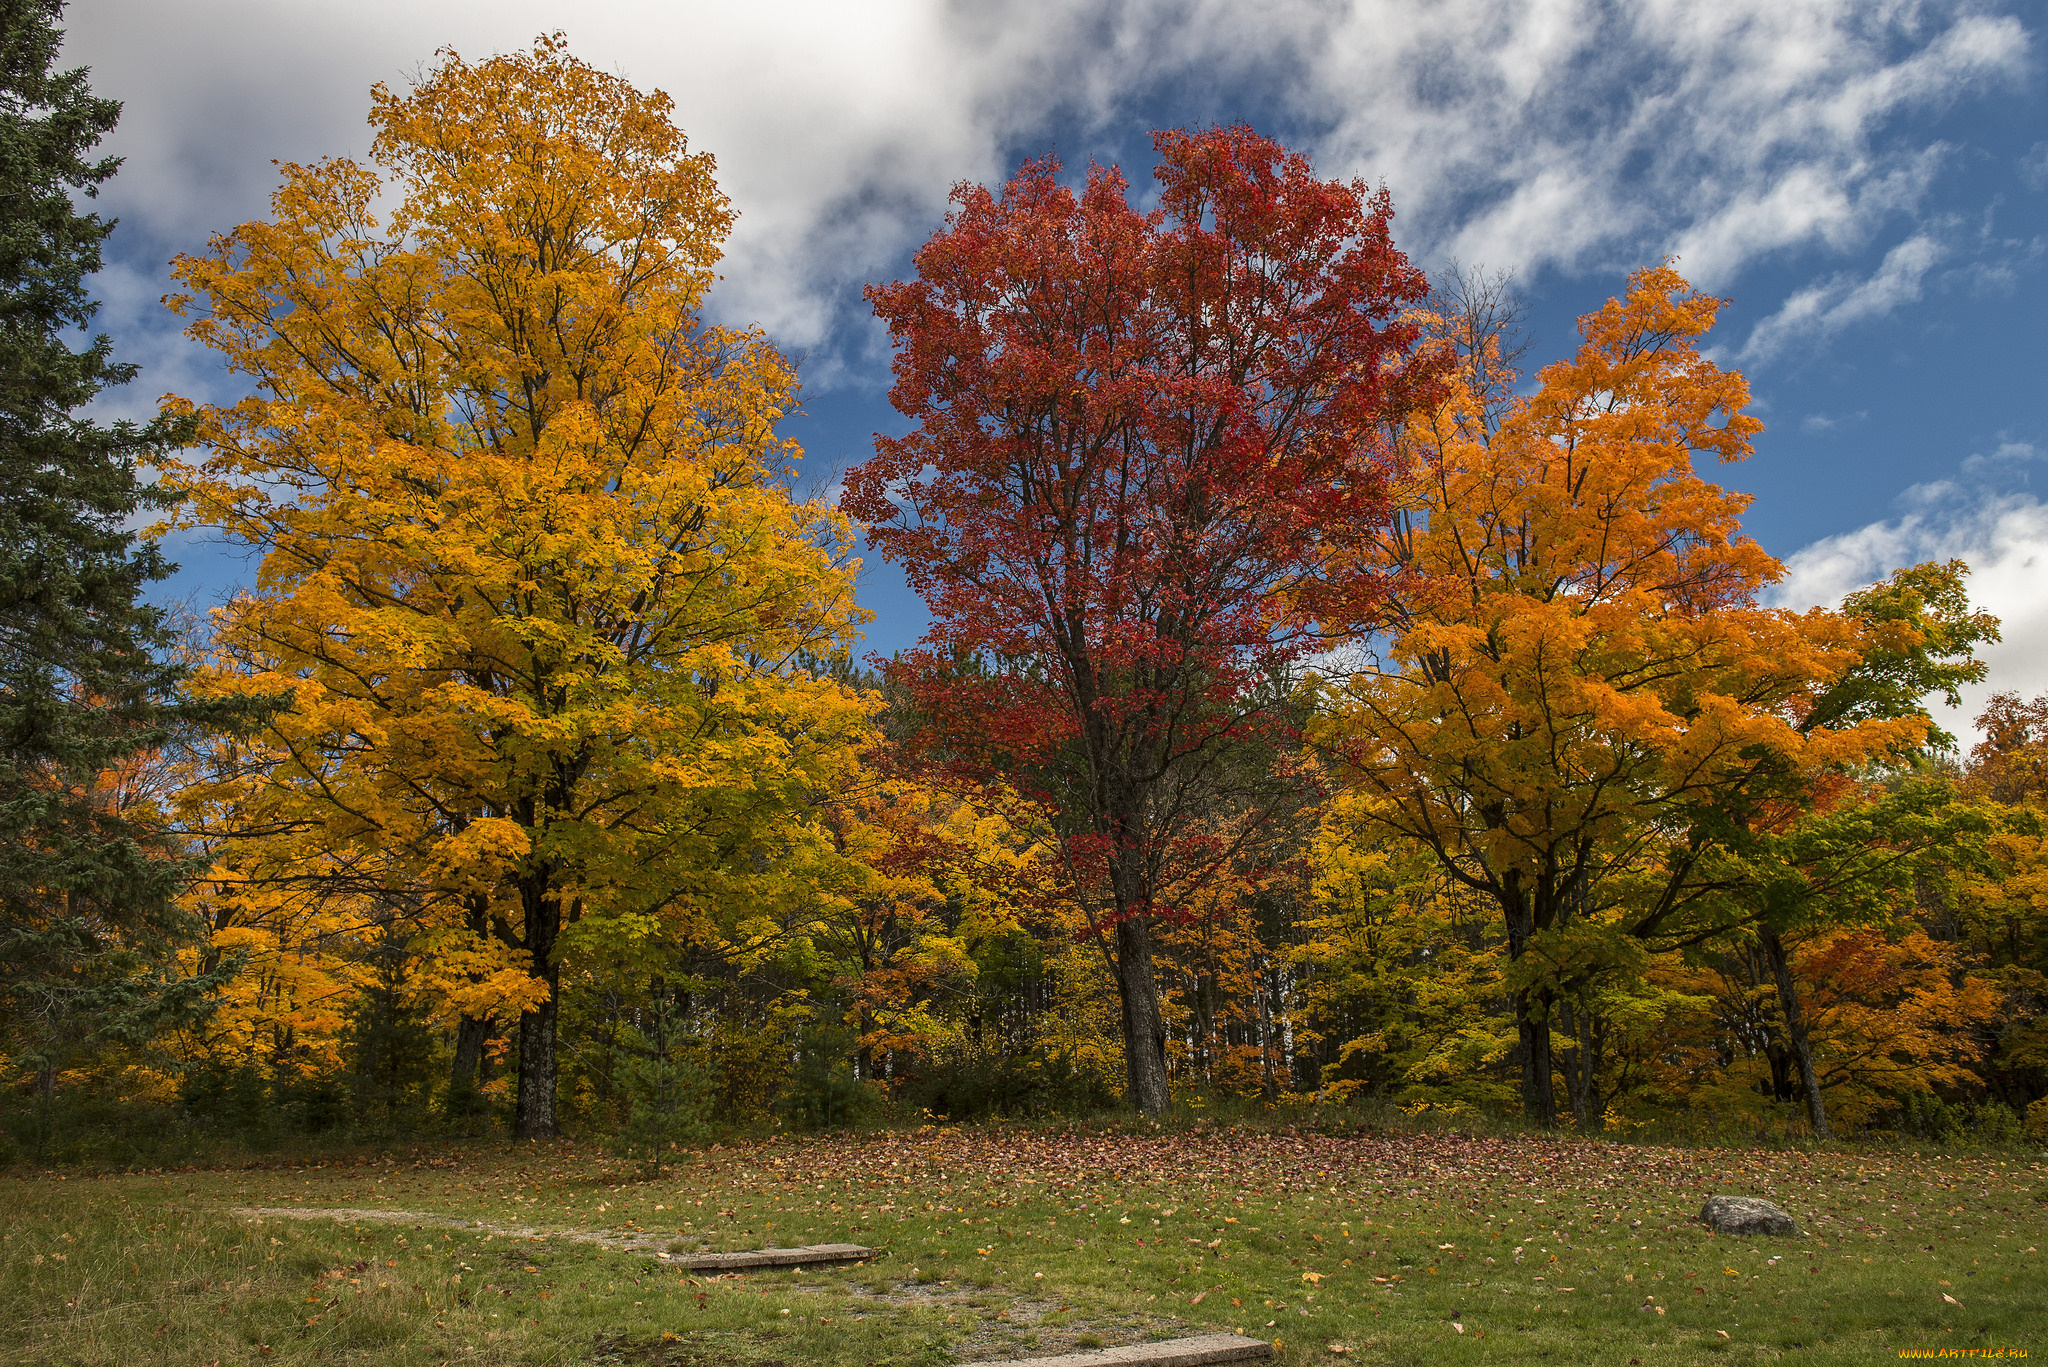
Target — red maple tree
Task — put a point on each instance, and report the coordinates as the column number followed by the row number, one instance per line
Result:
column 1144, row 445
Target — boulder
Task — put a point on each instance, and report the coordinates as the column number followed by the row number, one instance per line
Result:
column 1745, row 1215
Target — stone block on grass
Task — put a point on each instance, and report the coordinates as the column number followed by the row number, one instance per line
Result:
column 810, row 1255
column 1195, row 1352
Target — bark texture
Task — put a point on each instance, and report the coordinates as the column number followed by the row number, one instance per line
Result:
column 1795, row 1030
column 1144, row 1018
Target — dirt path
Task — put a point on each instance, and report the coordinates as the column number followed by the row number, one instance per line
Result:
column 1016, row 1332
column 651, row 1244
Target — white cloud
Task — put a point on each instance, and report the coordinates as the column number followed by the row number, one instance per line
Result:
column 1513, row 132
column 1824, row 308
column 1572, row 133
column 837, row 127
column 2034, row 167
column 2004, row 540
column 2004, row 461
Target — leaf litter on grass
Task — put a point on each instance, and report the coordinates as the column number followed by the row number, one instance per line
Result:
column 1369, row 1241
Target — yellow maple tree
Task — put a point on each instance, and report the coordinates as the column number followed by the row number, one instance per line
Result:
column 533, row 576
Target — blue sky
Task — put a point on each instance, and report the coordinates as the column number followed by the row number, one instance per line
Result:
column 1865, row 180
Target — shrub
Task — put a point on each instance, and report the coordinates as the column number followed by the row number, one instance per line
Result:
column 823, row 1093
column 2036, row 1128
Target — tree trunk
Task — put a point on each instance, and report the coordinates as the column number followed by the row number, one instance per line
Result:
column 1795, row 1030
column 471, row 1034
column 1580, row 1077
column 1144, row 1020
column 534, row 1116
column 1539, row 1086
column 1785, row 1084
column 1532, row 1011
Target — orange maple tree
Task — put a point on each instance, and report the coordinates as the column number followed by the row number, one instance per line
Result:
column 1576, row 664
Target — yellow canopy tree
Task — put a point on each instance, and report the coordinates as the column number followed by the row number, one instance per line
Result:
column 532, row 573
column 1576, row 670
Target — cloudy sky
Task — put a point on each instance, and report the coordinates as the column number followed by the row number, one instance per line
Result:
column 1866, row 180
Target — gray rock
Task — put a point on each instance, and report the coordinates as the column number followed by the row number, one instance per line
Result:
column 1745, row 1215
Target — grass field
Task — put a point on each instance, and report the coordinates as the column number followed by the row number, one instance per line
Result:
column 1009, row 1241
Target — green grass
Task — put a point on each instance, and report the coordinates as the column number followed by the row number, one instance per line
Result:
column 1005, row 1241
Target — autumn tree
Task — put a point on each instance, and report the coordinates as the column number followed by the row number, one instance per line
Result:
column 2010, row 763
column 1139, row 440
column 1854, row 861
column 1403, row 989
column 1815, row 854
column 2004, row 911
column 1893, row 1013
column 531, row 568
column 899, row 955
column 1578, row 677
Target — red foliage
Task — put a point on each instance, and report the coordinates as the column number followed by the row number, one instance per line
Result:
column 1141, row 441
column 1143, row 444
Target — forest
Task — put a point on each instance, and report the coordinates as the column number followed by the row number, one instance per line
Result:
column 1330, row 699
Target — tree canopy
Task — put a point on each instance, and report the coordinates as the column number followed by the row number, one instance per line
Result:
column 1142, row 442
column 1316, row 711
column 532, row 571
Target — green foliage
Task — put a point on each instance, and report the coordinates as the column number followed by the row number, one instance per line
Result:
column 391, row 1054
column 89, row 691
column 1036, row 1083
column 1924, row 645
column 1926, row 1115
column 233, row 1096
column 823, row 1093
column 668, row 1093
column 1406, row 979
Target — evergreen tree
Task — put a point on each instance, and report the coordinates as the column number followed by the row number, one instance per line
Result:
column 88, row 690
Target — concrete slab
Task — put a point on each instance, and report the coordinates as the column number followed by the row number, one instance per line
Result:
column 1194, row 1352
column 811, row 1255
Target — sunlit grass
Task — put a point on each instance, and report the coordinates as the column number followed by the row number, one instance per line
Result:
column 1000, row 1243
